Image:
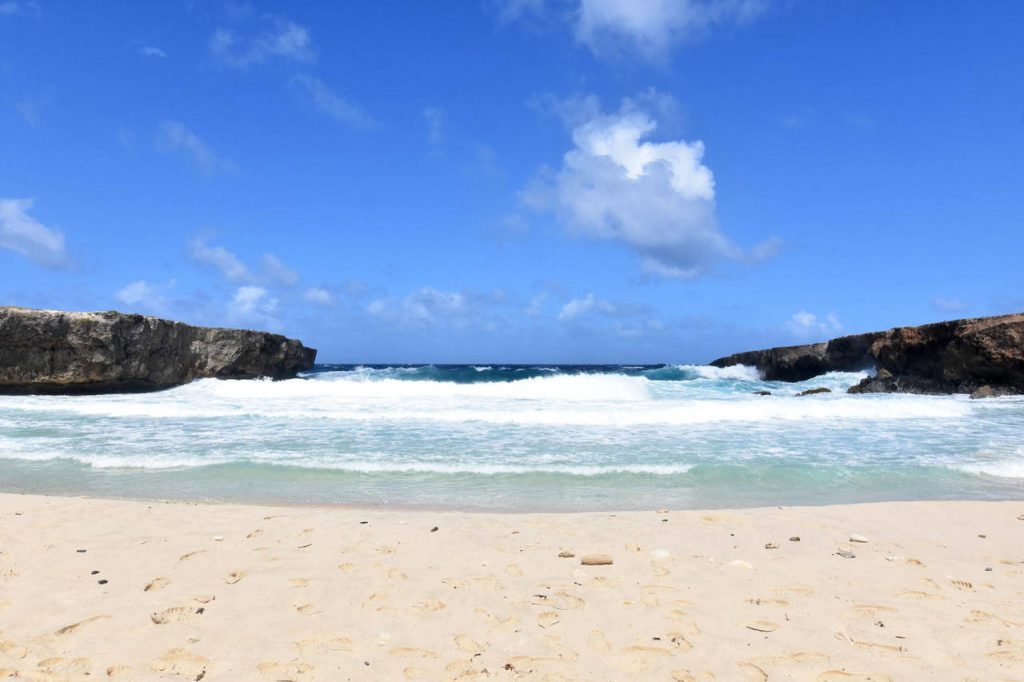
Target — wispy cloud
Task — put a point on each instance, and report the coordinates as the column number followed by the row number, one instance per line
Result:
column 175, row 137
column 657, row 198
column 25, row 235
column 227, row 263
column 329, row 102
column 319, row 296
column 949, row 305
column 278, row 271
column 29, row 7
column 152, row 51
column 436, row 121
column 284, row 40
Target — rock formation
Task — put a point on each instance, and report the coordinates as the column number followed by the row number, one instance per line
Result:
column 959, row 356
column 49, row 351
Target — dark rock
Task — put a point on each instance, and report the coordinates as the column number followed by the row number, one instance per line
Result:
column 48, row 351
column 959, row 356
column 762, row 392
column 813, row 391
column 987, row 391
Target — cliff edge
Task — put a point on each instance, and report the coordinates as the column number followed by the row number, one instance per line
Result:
column 984, row 355
column 56, row 352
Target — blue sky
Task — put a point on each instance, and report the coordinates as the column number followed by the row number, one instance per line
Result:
column 516, row 180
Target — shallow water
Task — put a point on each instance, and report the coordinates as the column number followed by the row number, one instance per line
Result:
column 516, row 438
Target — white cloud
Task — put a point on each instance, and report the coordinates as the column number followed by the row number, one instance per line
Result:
column 285, row 40
column 581, row 307
column 135, row 293
column 655, row 197
column 319, row 296
column 427, row 304
column 152, row 51
column 949, row 305
column 23, row 234
column 277, row 270
column 805, row 324
column 652, row 27
column 10, row 7
column 220, row 258
column 536, row 306
column 252, row 302
column 175, row 137
column 332, row 104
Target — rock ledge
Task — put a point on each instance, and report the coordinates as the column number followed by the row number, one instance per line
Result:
column 56, row 352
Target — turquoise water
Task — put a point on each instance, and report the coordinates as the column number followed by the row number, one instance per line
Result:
column 516, row 438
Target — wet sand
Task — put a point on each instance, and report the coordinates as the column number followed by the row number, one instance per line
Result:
column 102, row 589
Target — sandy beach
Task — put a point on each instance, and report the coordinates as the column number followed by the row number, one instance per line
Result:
column 149, row 590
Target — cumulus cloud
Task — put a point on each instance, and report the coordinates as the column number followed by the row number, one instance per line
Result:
column 252, row 302
column 318, row 296
column 623, row 319
column 332, row 104
column 284, row 40
column 650, row 28
column 804, row 324
column 23, row 234
column 175, row 137
column 220, row 258
column 580, row 307
column 429, row 306
column 145, row 297
column 658, row 198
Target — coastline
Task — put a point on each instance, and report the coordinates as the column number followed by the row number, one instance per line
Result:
column 311, row 592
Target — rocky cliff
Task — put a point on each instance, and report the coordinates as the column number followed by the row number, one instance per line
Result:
column 49, row 351
column 959, row 356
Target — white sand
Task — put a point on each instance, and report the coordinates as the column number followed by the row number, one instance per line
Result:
column 292, row 593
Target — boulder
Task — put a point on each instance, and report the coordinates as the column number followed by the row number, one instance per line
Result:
column 958, row 356
column 49, row 351
column 814, row 391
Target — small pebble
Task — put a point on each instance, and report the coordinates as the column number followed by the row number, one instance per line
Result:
column 982, row 535
column 434, row 529
column 857, row 538
column 771, row 545
column 565, row 554
column 80, row 551
column 218, row 538
column 795, row 538
column 93, row 572
column 988, row 568
column 596, row 560
column 102, row 581
column 846, row 555
column 363, row 523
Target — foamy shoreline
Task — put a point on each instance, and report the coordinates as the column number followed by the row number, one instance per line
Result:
column 239, row 592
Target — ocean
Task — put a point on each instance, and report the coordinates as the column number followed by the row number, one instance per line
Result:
column 516, row 438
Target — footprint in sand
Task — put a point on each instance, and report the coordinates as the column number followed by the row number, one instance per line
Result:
column 762, row 626
column 68, row 629
column 182, row 662
column 174, row 614
column 468, row 644
column 513, row 570
column 754, row 673
column 690, row 676
column 186, row 557
column 117, row 672
column 412, row 652
column 320, row 646
column 298, row 582
column 843, row 676
column 346, row 567
column 292, row 670
column 156, row 584
column 64, row 668
column 548, row 619
column 395, row 573
column 307, row 609
column 255, row 534
column 429, row 606
column 13, row 650
column 598, row 642
column 559, row 600
column 234, row 577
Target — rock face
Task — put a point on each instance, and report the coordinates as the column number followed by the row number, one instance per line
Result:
column 959, row 356
column 52, row 352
